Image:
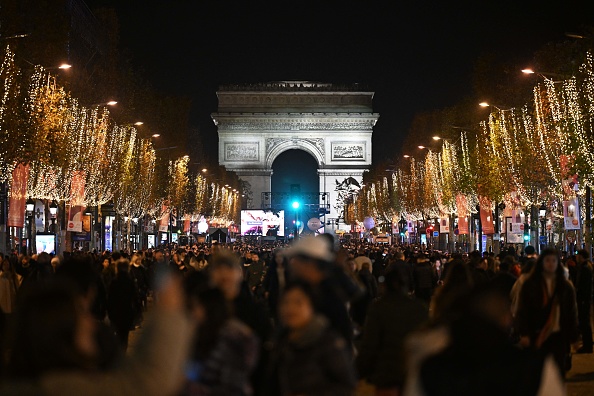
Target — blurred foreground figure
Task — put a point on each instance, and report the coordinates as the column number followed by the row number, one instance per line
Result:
column 52, row 347
column 480, row 359
column 309, row 357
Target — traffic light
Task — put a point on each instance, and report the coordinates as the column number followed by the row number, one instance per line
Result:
column 526, row 232
column 295, row 205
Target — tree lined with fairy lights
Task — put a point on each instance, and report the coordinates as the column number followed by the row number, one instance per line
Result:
column 43, row 126
column 519, row 156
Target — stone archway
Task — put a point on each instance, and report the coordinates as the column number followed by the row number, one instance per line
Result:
column 257, row 123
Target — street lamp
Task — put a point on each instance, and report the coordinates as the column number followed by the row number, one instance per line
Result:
column 295, row 206
column 545, row 74
column 30, row 208
column 542, row 214
column 110, row 103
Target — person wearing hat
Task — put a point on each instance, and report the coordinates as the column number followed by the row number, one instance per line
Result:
column 311, row 260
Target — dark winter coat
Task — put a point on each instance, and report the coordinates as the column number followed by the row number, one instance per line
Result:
column 390, row 319
column 122, row 301
column 317, row 364
column 481, row 361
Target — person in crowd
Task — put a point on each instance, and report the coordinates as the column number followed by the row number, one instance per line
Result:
column 225, row 351
column 311, row 260
column 526, row 269
column 177, row 263
column 122, row 302
column 546, row 319
column 359, row 306
column 226, row 274
column 62, row 359
column 457, row 284
column 404, row 268
column 504, row 278
column 425, row 278
column 583, row 291
column 55, row 263
column 308, row 357
column 108, row 271
column 389, row 321
column 275, row 281
column 139, row 275
column 255, row 276
column 9, row 285
column 90, row 290
column 478, row 267
column 36, row 268
column 479, row 359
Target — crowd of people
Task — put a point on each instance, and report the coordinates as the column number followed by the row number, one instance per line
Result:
column 314, row 317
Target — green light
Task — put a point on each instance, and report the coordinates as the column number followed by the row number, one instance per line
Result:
column 526, row 237
column 295, row 205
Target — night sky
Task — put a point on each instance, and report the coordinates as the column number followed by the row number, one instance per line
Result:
column 415, row 55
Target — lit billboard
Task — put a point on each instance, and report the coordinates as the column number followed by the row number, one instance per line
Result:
column 259, row 222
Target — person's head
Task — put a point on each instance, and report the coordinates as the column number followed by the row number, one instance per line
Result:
column 458, row 276
column 394, row 282
column 159, row 256
column 80, row 271
column 582, row 256
column 296, row 308
column 122, row 266
column 255, row 257
column 226, row 273
column 310, row 258
column 507, row 264
column 399, row 255
column 53, row 330
column 136, row 259
column 549, row 264
column 530, row 251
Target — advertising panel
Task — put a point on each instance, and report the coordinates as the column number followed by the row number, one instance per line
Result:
column 259, row 222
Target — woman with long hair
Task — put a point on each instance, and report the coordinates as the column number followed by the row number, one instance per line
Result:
column 546, row 319
column 457, row 284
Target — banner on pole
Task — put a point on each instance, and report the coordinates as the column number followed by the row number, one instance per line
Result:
column 462, row 205
column 75, row 218
column 486, row 217
column 444, row 225
column 18, row 196
column 571, row 214
column 164, row 224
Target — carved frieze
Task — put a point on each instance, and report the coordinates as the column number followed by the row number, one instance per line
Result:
column 242, row 151
column 348, row 151
column 292, row 125
column 263, row 99
column 271, row 143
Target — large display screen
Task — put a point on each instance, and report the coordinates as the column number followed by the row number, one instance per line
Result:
column 259, row 222
column 45, row 243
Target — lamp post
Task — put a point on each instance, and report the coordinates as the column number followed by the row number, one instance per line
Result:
column 401, row 226
column 89, row 212
column 542, row 215
column 53, row 209
column 30, row 207
column 295, row 206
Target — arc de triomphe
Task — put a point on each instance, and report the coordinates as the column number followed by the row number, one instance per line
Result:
column 334, row 124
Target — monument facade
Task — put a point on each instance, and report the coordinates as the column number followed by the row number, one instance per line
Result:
column 333, row 123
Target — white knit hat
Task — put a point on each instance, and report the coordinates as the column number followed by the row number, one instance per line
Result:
column 312, row 247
